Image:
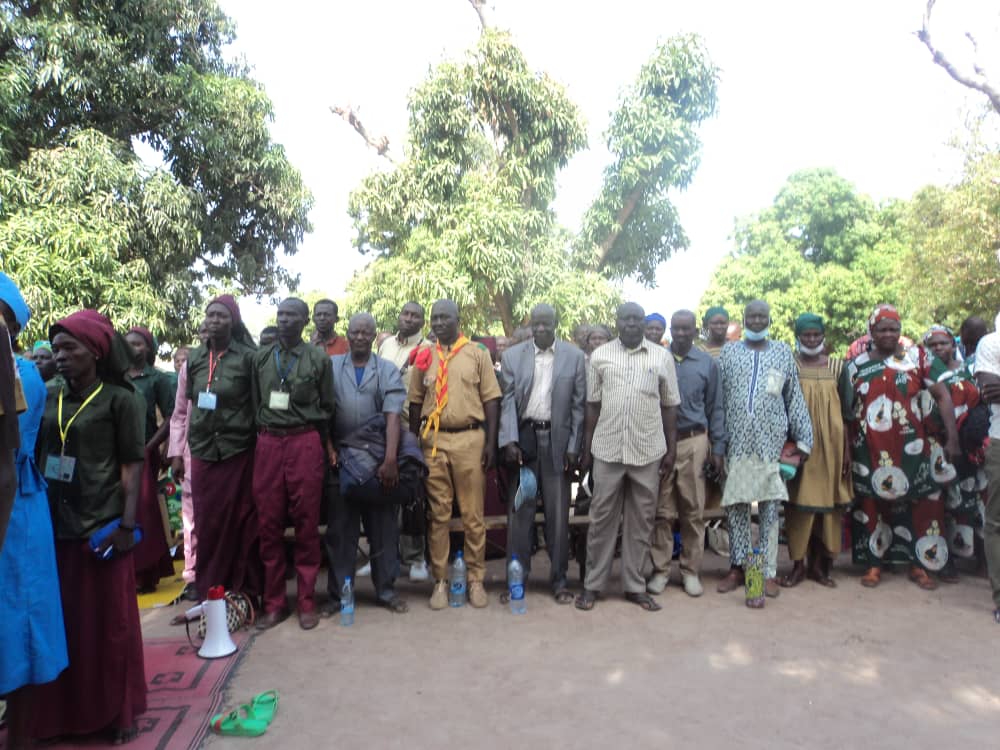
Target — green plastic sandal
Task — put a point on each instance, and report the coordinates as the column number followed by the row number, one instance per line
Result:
column 264, row 706
column 238, row 723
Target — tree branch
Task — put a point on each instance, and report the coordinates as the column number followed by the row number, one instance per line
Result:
column 976, row 81
column 480, row 7
column 379, row 144
column 623, row 215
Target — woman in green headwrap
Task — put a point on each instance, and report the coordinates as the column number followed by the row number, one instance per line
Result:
column 821, row 491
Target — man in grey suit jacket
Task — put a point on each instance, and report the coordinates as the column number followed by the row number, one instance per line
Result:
column 541, row 427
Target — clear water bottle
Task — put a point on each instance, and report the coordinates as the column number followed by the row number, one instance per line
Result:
column 515, row 583
column 456, row 591
column 347, row 602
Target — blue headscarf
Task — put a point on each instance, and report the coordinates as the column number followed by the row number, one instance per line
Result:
column 656, row 316
column 10, row 294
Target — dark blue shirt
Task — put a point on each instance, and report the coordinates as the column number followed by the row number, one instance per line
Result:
column 700, row 385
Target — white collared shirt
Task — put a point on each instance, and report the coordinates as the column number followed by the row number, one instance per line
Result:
column 539, row 406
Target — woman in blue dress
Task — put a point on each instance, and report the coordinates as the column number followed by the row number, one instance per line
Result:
column 33, row 646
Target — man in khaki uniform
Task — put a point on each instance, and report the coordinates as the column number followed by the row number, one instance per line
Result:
column 453, row 395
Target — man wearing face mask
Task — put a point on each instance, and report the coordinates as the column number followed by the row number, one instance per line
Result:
column 764, row 407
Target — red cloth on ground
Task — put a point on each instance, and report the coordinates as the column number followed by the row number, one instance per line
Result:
column 225, row 518
column 288, row 483
column 104, row 686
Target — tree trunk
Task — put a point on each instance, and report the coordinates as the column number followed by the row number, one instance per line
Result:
column 623, row 215
column 504, row 307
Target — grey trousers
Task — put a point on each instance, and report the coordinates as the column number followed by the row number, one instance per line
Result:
column 621, row 489
column 991, row 527
column 411, row 549
column 554, row 488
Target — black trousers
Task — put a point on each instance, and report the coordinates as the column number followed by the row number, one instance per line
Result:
column 343, row 529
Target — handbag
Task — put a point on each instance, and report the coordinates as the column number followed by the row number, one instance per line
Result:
column 239, row 615
column 789, row 461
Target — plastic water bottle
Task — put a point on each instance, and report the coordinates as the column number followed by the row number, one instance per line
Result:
column 347, row 603
column 515, row 582
column 456, row 591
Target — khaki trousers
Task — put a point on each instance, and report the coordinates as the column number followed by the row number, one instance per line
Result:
column 802, row 524
column 682, row 496
column 621, row 489
column 991, row 529
column 456, row 472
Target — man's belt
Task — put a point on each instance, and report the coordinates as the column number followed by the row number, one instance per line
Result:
column 473, row 426
column 537, row 424
column 287, row 431
column 685, row 434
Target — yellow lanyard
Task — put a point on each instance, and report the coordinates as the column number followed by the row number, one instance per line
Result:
column 64, row 431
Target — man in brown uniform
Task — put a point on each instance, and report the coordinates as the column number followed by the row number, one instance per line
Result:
column 454, row 394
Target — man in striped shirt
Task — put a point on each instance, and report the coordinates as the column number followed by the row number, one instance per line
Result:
column 630, row 440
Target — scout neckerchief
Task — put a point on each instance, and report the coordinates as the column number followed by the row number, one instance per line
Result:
column 441, row 388
column 64, row 431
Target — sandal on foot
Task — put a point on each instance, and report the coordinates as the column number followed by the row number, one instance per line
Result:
column 919, row 576
column 822, row 579
column 264, row 706
column 796, row 576
column 563, row 596
column 644, row 600
column 586, row 600
column 395, row 605
column 771, row 588
column 238, row 723
column 871, row 578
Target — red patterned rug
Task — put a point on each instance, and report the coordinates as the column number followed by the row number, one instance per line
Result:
column 184, row 693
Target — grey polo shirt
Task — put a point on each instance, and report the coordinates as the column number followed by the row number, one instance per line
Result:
column 381, row 392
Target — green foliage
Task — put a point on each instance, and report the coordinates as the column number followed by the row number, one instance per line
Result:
column 146, row 71
column 956, row 238
column 821, row 248
column 86, row 225
column 632, row 225
column 467, row 214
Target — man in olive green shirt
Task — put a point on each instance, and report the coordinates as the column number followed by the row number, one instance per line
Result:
column 292, row 388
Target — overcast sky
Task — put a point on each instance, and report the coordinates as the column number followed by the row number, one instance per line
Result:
column 804, row 84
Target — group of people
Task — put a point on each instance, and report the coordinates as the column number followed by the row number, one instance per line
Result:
column 353, row 428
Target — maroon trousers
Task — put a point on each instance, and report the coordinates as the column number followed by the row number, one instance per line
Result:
column 104, row 686
column 225, row 517
column 288, row 482
column 151, row 556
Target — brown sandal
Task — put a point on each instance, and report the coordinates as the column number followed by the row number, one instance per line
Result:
column 919, row 576
column 872, row 578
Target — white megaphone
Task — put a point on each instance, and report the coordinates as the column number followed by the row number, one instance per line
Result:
column 217, row 641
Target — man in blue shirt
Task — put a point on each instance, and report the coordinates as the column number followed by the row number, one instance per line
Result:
column 701, row 445
column 365, row 385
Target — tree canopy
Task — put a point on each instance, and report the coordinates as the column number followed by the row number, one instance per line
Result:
column 467, row 213
column 81, row 84
column 820, row 247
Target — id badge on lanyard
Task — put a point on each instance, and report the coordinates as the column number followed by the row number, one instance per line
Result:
column 61, row 468
column 206, row 399
column 279, row 400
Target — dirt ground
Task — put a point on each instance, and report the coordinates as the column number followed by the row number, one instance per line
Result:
column 817, row 668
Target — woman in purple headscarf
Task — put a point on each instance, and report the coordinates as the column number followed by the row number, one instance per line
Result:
column 221, row 437
column 92, row 452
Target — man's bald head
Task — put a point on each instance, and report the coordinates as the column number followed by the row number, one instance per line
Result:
column 631, row 324
column 444, row 321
